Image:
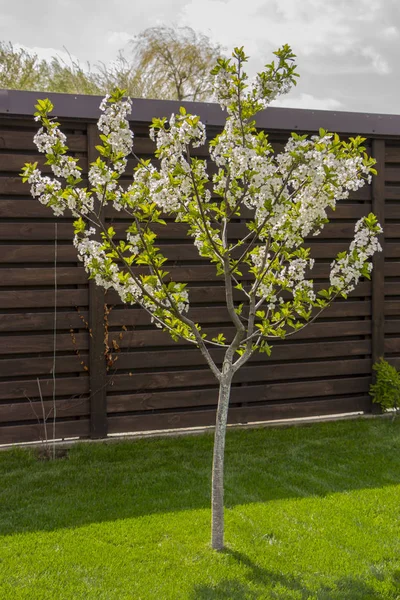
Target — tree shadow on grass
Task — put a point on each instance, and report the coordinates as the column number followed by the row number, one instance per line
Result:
column 100, row 482
column 265, row 584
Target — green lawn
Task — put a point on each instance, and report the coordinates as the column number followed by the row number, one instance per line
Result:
column 312, row 513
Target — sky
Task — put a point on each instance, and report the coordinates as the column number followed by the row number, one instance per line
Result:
column 347, row 50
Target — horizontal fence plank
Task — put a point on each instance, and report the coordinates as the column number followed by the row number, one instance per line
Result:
column 280, row 351
column 13, row 253
column 198, row 378
column 24, row 209
column 253, row 414
column 30, row 276
column 392, row 230
column 19, row 367
column 392, row 192
column 392, row 174
column 392, row 211
column 13, row 186
column 26, row 344
column 392, row 326
column 65, row 386
column 67, row 254
column 136, row 317
column 392, row 269
column 272, row 392
column 28, row 433
column 35, row 231
column 15, row 162
column 395, row 362
column 206, row 294
column 392, row 153
column 147, row 338
column 74, row 298
column 392, row 288
column 14, row 139
column 171, row 231
column 392, row 307
column 42, row 298
column 392, row 250
column 180, row 358
column 28, row 411
column 42, row 321
column 392, row 345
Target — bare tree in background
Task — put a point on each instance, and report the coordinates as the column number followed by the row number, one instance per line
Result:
column 174, row 63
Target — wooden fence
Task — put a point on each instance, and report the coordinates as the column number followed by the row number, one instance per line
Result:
column 114, row 372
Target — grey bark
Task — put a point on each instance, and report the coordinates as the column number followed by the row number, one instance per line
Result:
column 217, row 496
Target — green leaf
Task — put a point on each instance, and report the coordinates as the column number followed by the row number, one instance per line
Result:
column 79, row 226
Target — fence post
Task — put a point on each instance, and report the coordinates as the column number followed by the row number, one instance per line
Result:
column 97, row 363
column 378, row 272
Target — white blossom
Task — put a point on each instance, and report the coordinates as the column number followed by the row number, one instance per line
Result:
column 288, row 195
column 346, row 271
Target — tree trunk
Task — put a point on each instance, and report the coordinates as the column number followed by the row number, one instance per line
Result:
column 217, row 498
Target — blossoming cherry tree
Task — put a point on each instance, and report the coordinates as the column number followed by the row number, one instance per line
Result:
column 287, row 196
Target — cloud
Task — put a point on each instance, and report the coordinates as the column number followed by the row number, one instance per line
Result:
column 307, row 101
column 378, row 63
column 82, row 26
column 390, row 33
column 48, row 53
column 346, row 51
column 328, row 35
column 118, row 38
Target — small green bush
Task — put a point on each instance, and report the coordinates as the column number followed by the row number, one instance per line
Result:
column 386, row 389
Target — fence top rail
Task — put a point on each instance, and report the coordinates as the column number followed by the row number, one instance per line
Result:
column 17, row 103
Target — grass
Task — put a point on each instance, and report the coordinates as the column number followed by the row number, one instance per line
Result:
column 312, row 513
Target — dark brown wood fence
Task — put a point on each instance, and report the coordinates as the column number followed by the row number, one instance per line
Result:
column 114, row 372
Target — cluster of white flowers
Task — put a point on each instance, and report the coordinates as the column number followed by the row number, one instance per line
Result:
column 46, row 139
column 297, row 268
column 66, row 167
column 100, row 175
column 306, row 287
column 80, row 202
column 259, row 257
column 240, row 157
column 346, row 270
column 180, row 298
column 50, row 193
column 93, row 256
column 224, row 88
column 52, row 141
column 183, row 130
column 297, row 185
column 365, row 238
column 312, row 176
column 281, row 275
column 288, row 195
column 107, row 274
column 174, row 195
column 234, row 149
column 114, row 124
column 47, row 191
column 106, row 185
column 135, row 242
column 154, row 296
column 267, row 91
column 274, row 81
